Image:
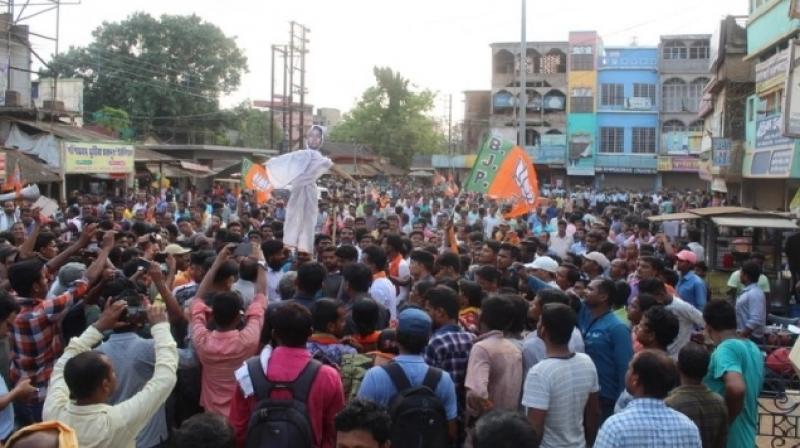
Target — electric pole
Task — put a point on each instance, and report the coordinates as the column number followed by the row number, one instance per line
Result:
column 523, row 71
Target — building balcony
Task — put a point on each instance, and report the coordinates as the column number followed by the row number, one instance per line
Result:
column 551, row 150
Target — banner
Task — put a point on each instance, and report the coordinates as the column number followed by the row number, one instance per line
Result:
column 89, row 158
column 791, row 97
column 504, row 171
column 255, row 178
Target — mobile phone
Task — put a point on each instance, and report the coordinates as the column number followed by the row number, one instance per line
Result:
column 243, row 249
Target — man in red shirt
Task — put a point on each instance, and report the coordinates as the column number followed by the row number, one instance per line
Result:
column 291, row 326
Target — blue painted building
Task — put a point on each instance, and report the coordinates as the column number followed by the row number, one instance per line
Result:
column 627, row 118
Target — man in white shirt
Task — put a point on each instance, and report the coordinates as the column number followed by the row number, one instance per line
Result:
column 689, row 317
column 560, row 241
column 8, row 217
column 562, row 389
column 382, row 289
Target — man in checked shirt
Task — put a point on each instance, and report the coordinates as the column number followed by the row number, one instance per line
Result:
column 36, row 334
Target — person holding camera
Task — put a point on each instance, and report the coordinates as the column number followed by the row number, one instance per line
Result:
column 134, row 357
column 84, row 380
column 236, row 332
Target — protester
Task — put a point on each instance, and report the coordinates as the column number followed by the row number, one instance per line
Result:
column 695, row 400
column 562, row 389
column 736, row 371
column 83, row 381
column 363, row 424
column 647, row 421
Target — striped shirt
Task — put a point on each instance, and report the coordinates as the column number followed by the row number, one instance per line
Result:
column 448, row 349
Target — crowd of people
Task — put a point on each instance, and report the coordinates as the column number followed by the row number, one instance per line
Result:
column 177, row 318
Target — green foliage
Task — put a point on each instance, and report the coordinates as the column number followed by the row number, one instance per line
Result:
column 166, row 72
column 393, row 120
column 115, row 119
column 250, row 126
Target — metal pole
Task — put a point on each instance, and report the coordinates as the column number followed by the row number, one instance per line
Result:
column 291, row 83
column 523, row 69
column 283, row 101
column 272, row 100
column 301, row 127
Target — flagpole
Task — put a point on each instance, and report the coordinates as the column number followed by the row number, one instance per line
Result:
column 522, row 110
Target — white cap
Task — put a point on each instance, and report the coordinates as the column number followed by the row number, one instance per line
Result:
column 544, row 264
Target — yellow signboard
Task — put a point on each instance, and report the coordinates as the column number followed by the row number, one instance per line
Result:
column 88, row 158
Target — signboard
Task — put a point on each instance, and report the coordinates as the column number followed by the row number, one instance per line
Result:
column 777, row 163
column 791, row 97
column 720, row 151
column 772, row 72
column 679, row 164
column 639, row 103
column 581, row 155
column 624, row 170
column 769, row 134
column 704, row 170
column 87, row 158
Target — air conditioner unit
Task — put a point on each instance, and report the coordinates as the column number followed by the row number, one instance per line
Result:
column 638, row 103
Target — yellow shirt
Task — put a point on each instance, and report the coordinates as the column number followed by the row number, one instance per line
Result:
column 102, row 425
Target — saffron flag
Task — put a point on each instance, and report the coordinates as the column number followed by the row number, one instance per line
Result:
column 14, row 182
column 504, row 171
column 256, row 178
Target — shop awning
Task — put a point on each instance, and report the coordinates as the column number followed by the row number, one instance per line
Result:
column 202, row 169
column 673, row 217
column 147, row 155
column 360, row 169
column 755, row 221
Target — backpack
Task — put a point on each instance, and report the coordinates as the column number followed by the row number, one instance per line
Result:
column 418, row 416
column 354, row 367
column 277, row 423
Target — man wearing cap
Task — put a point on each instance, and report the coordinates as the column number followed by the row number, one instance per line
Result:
column 690, row 287
column 595, row 265
column 542, row 272
column 181, row 256
column 413, row 332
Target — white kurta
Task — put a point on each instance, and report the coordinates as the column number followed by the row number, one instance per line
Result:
column 299, row 170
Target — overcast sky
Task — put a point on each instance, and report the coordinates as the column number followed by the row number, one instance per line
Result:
column 442, row 45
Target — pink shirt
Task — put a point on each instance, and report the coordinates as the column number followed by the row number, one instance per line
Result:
column 325, row 399
column 494, row 371
column 222, row 352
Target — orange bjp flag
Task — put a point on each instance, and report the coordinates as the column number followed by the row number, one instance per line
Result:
column 504, row 171
column 256, row 178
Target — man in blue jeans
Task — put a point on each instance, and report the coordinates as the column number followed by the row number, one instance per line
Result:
column 413, row 332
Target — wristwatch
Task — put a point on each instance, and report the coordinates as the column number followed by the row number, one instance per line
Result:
column 263, row 264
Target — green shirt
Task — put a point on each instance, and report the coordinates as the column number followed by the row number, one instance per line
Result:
column 735, row 282
column 741, row 356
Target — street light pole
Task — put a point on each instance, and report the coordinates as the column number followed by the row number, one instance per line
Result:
column 523, row 69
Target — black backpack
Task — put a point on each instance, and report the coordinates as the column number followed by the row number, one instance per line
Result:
column 418, row 416
column 281, row 423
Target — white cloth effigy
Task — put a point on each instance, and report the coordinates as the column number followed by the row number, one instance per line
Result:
column 299, row 170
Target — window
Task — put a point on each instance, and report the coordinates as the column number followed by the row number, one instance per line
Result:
column 699, row 50
column 612, row 139
column 770, row 104
column 645, row 91
column 674, row 50
column 503, row 62
column 672, row 126
column 696, row 126
column 694, row 94
column 554, row 61
column 581, row 101
column 750, row 109
column 582, row 58
column 673, row 92
column 532, row 137
column 612, row 95
column 644, row 140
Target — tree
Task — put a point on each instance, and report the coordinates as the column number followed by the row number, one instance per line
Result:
column 392, row 119
column 166, row 72
column 250, row 126
column 116, row 120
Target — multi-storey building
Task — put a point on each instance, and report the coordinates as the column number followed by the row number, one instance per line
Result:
column 723, row 107
column 770, row 159
column 584, row 46
column 545, row 111
column 683, row 69
column 627, row 118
